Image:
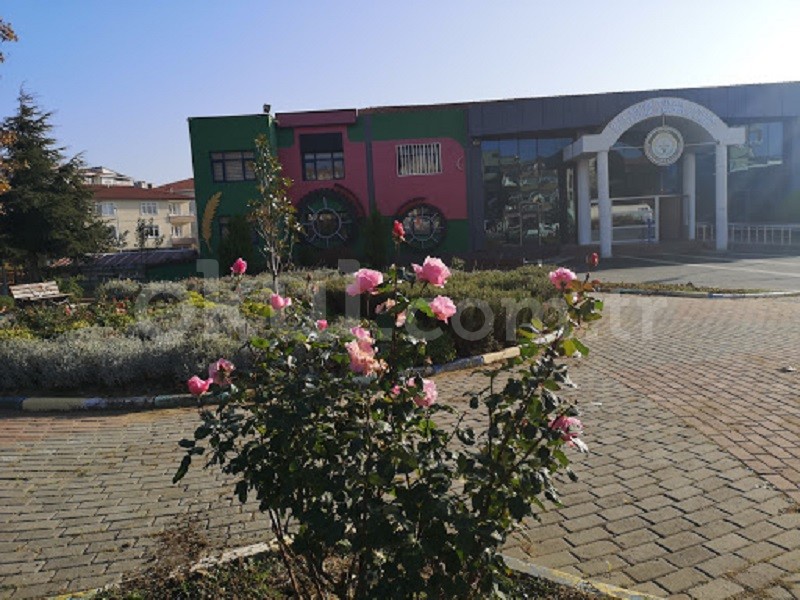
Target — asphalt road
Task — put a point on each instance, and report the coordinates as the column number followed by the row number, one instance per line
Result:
column 774, row 272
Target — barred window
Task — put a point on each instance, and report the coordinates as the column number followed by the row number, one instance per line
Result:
column 419, row 159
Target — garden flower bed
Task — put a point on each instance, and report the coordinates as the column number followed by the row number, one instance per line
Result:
column 149, row 339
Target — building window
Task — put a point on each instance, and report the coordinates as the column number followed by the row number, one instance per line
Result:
column 232, row 166
column 328, row 219
column 174, row 208
column 323, row 156
column 424, row 226
column 419, row 159
column 177, row 231
column 105, row 209
column 148, row 208
column 151, row 231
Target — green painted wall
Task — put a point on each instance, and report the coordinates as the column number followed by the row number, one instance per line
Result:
column 220, row 134
column 423, row 123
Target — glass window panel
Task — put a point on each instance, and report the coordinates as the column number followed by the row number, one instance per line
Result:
column 218, row 171
column 234, row 170
column 249, row 172
column 324, row 169
column 338, row 169
column 309, row 174
column 216, row 155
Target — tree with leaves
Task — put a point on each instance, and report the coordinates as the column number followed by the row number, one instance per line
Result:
column 47, row 212
column 272, row 214
column 7, row 34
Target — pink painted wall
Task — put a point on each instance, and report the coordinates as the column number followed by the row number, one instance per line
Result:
column 355, row 167
column 446, row 190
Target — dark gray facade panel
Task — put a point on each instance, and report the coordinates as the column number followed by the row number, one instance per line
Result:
column 746, row 102
column 790, row 100
column 553, row 112
column 532, row 115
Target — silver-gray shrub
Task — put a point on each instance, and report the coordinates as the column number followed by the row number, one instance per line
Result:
column 118, row 289
column 96, row 361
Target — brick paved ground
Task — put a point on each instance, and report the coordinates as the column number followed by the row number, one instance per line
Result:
column 690, row 491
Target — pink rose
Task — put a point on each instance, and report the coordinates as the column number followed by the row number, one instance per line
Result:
column 219, row 372
column 361, row 334
column 322, row 325
column 239, row 266
column 570, row 428
column 562, row 277
column 400, row 319
column 443, row 308
column 432, row 271
column 197, row 386
column 429, row 394
column 366, row 280
column 592, row 260
column 362, row 358
column 398, row 232
column 278, row 302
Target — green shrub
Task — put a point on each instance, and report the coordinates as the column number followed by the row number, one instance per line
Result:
column 6, row 303
column 162, row 291
column 71, row 286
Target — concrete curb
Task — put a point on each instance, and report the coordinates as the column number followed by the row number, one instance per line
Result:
column 573, row 581
column 712, row 295
column 65, row 404
column 558, row 577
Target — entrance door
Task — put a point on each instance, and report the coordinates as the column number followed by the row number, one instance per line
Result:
column 670, row 218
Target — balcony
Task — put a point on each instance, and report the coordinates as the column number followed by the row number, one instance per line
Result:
column 182, row 218
column 183, row 242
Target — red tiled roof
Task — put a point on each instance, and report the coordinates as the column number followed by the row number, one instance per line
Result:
column 177, row 186
column 121, row 192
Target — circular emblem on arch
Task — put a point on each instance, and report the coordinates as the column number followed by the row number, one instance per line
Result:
column 663, row 146
column 328, row 218
column 424, row 225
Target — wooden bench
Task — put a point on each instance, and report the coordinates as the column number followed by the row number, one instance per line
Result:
column 47, row 291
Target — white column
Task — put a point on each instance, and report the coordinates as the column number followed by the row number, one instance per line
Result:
column 722, row 196
column 689, row 192
column 584, row 204
column 604, row 204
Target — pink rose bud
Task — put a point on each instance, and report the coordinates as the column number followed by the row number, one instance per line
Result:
column 322, row 324
column 197, row 386
column 593, row 260
column 239, row 266
column 562, row 277
column 443, row 308
column 278, row 302
column 366, row 280
column 432, row 271
column 398, row 232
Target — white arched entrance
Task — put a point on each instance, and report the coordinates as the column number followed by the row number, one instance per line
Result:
column 599, row 145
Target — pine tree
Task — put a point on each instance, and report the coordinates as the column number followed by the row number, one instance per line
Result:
column 48, row 212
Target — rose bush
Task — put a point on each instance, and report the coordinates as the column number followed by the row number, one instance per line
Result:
column 374, row 487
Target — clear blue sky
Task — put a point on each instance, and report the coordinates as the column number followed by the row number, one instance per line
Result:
column 122, row 77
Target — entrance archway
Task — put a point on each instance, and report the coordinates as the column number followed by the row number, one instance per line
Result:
column 661, row 148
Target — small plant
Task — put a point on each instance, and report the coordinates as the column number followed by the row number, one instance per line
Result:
column 6, row 303
column 119, row 289
column 370, row 493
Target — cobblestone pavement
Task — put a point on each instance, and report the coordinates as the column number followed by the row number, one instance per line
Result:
column 690, row 491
